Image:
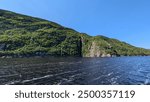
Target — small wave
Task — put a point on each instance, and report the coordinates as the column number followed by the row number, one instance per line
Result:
column 114, row 80
column 144, row 71
column 147, row 81
column 102, row 76
column 35, row 79
column 70, row 79
column 110, row 74
column 12, row 82
column 64, row 81
column 6, row 76
column 44, row 77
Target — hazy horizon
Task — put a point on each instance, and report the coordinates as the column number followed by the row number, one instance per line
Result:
column 123, row 20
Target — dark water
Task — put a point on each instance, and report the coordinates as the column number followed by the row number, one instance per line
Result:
column 89, row 71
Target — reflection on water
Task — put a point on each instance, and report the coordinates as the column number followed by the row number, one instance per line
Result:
column 91, row 71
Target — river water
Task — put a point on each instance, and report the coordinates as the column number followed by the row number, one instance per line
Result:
column 75, row 71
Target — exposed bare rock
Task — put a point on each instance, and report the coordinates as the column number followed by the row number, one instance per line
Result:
column 95, row 51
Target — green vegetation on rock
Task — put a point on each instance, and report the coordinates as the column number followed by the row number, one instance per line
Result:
column 22, row 35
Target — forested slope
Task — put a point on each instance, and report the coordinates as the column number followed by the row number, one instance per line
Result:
column 22, row 35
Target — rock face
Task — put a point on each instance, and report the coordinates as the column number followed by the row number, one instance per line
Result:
column 22, row 35
column 94, row 51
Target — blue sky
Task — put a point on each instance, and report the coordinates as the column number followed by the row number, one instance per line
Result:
column 126, row 20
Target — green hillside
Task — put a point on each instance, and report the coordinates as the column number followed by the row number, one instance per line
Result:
column 22, row 35
column 101, row 46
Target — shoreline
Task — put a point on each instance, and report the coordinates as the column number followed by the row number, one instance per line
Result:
column 42, row 56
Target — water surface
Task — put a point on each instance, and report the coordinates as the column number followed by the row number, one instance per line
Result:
column 75, row 71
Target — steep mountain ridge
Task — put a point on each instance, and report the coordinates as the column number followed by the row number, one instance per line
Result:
column 22, row 35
